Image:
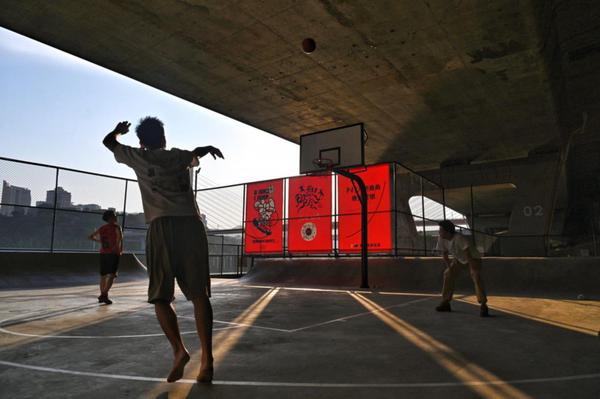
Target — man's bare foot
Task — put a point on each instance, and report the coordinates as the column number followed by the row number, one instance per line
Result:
column 205, row 376
column 179, row 363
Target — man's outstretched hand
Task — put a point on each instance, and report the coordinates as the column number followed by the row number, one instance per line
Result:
column 215, row 152
column 202, row 151
column 122, row 127
column 110, row 141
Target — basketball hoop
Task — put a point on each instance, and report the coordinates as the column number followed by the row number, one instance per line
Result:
column 323, row 166
column 324, row 163
column 343, row 146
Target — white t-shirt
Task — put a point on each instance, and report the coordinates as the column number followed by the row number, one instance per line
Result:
column 456, row 247
column 164, row 180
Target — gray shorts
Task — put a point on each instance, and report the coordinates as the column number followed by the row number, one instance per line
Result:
column 177, row 248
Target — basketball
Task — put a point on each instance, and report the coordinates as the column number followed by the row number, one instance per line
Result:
column 308, row 45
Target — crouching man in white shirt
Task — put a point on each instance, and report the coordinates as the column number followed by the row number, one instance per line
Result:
column 463, row 253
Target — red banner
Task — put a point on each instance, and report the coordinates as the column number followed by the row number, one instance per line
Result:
column 263, row 226
column 377, row 179
column 309, row 225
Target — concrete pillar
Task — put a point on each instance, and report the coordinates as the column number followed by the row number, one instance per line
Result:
column 537, row 191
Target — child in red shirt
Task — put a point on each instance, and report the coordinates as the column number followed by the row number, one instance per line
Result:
column 110, row 238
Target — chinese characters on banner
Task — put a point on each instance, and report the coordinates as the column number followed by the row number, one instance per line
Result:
column 309, row 226
column 264, row 213
column 377, row 180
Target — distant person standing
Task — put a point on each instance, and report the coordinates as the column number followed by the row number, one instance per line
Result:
column 463, row 254
column 110, row 238
column 176, row 242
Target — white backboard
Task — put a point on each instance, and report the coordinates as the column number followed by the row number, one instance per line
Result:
column 343, row 147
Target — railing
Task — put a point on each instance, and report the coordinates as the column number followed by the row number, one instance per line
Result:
column 224, row 210
column 47, row 208
column 37, row 213
column 225, row 259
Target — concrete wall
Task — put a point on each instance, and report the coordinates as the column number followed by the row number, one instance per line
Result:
column 32, row 270
column 527, row 276
column 540, row 193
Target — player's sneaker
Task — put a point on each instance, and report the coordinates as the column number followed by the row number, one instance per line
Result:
column 106, row 300
column 483, row 311
column 443, row 307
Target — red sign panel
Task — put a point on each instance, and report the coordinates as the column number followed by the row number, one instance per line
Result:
column 309, row 225
column 263, row 226
column 377, row 179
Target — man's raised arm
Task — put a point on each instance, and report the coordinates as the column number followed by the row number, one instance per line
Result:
column 110, row 141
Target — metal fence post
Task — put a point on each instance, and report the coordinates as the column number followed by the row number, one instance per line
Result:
column 336, row 218
column 594, row 223
column 395, row 197
column 196, row 184
column 245, row 188
column 54, row 212
column 238, row 263
column 472, row 216
column 125, row 204
column 444, row 201
column 423, row 216
column 222, row 254
column 285, row 226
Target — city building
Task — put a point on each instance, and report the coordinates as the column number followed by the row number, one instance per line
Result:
column 63, row 198
column 88, row 207
column 13, row 195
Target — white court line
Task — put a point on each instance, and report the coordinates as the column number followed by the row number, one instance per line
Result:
column 405, row 293
column 253, row 326
column 32, row 316
column 3, row 330
column 240, row 324
column 308, row 384
column 340, row 291
column 400, row 305
column 232, row 325
column 339, row 319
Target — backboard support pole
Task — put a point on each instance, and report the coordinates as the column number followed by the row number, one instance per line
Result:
column 337, row 150
column 361, row 192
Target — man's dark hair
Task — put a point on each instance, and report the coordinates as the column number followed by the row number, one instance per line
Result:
column 107, row 215
column 448, row 226
column 151, row 133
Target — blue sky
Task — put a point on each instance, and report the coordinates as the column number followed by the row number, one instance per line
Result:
column 56, row 108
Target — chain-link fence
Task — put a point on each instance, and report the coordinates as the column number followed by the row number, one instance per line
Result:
column 418, row 205
column 45, row 208
column 54, row 209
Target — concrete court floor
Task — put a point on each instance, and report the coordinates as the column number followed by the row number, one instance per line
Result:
column 299, row 343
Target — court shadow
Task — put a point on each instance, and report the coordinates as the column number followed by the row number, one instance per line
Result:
column 200, row 391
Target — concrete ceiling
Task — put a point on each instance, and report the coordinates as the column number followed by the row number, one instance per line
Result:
column 435, row 81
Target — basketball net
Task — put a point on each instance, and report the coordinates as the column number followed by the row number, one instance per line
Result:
column 325, row 164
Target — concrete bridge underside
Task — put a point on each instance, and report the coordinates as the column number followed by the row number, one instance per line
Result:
column 438, row 84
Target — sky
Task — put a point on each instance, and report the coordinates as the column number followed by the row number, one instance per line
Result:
column 56, row 109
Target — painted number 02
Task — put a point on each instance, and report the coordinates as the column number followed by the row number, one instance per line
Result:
column 536, row 210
